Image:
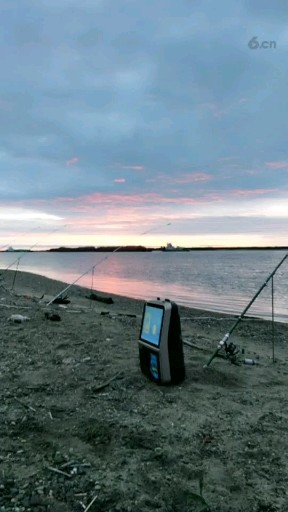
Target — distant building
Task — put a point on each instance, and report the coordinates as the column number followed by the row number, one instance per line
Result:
column 10, row 249
column 170, row 247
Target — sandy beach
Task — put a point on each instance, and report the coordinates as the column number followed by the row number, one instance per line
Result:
column 81, row 425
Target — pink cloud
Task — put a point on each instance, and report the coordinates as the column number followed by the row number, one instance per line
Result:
column 72, row 161
column 185, row 178
column 276, row 165
column 135, row 167
column 89, row 202
column 130, row 167
column 193, row 177
column 249, row 193
column 214, row 197
column 119, row 180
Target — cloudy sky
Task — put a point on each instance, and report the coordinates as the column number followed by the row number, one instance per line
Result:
column 143, row 122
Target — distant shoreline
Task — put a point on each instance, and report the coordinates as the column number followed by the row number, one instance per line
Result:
column 147, row 249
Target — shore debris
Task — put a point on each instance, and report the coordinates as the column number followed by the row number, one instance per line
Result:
column 58, row 471
column 18, row 319
column 54, row 317
column 95, row 296
column 26, row 406
column 91, row 503
column 61, row 300
column 106, row 383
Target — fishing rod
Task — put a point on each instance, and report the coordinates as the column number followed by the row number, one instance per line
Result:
column 231, row 349
column 96, row 265
column 30, row 249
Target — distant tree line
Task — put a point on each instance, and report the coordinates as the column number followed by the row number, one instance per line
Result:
column 110, row 248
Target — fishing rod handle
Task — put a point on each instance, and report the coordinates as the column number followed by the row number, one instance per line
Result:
column 220, row 345
column 211, row 358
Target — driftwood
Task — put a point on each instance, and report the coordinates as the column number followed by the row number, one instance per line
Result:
column 106, row 383
column 58, row 471
column 24, row 405
column 61, row 300
column 94, row 296
column 15, row 307
column 131, row 315
column 91, row 503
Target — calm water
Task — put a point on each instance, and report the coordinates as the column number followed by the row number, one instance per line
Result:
column 222, row 281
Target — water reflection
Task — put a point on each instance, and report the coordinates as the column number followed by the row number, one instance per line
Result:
column 219, row 281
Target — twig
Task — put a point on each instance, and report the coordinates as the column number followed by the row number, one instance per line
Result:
column 50, row 415
column 59, row 472
column 69, row 463
column 15, row 307
column 106, row 383
column 196, row 346
column 91, row 503
column 24, row 405
column 201, row 348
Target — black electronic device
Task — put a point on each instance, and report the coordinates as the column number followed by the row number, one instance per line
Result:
column 160, row 343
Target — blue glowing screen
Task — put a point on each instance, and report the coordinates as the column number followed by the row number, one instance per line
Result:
column 151, row 326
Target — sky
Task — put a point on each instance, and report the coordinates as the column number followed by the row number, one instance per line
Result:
column 143, row 122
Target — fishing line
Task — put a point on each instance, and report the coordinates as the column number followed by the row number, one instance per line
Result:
column 92, row 284
column 21, row 236
column 154, row 229
column 15, row 274
column 273, row 322
column 92, row 280
column 94, row 266
column 30, row 248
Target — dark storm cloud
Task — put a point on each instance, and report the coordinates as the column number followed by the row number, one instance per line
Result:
column 169, row 86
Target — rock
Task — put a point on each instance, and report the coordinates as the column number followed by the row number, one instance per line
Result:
column 18, row 319
column 54, row 317
column 68, row 360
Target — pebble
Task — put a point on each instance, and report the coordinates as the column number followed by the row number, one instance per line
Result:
column 58, row 457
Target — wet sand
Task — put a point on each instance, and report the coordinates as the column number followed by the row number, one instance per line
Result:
column 78, row 419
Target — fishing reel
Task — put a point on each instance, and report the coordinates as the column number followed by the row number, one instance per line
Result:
column 231, row 353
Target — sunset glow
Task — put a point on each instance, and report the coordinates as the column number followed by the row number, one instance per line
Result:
column 177, row 129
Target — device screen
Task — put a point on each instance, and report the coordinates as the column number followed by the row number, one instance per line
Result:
column 151, row 325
